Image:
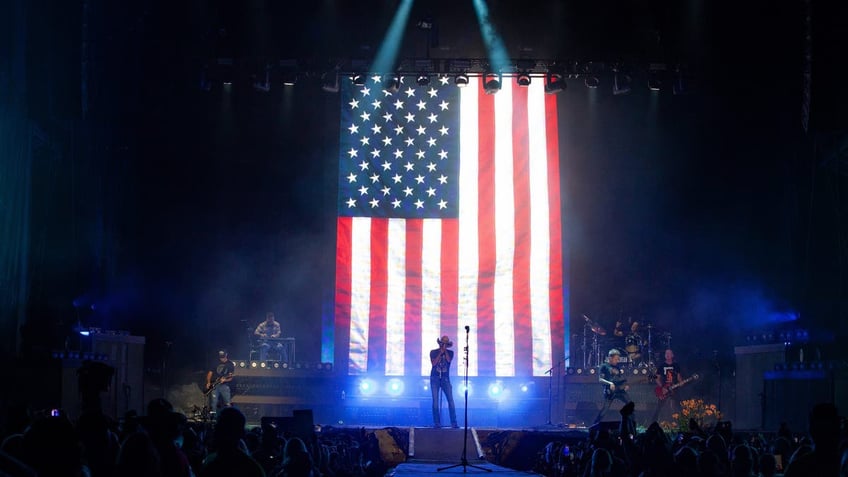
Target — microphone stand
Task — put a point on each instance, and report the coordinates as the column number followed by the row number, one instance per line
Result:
column 464, row 460
column 551, row 385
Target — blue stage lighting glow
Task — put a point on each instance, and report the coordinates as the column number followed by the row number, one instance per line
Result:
column 367, row 387
column 495, row 390
column 394, row 387
column 524, row 388
column 783, row 317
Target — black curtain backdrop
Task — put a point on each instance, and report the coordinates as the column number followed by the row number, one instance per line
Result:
column 183, row 215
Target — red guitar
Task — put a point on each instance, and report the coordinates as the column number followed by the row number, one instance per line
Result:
column 663, row 392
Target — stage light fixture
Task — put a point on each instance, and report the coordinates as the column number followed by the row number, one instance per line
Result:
column 593, row 371
column 592, row 82
column 392, row 83
column 570, row 370
column 225, row 71
column 655, row 76
column 423, row 79
column 254, row 364
column 242, row 364
column 330, row 82
column 491, row 82
column 523, row 79
column 554, row 83
column 654, row 82
column 288, row 71
column 620, row 82
column 262, row 80
column 461, row 80
column 276, row 365
column 263, row 365
column 425, row 23
column 579, row 370
column 358, row 79
column 289, row 78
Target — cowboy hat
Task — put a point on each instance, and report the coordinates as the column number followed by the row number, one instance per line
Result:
column 444, row 340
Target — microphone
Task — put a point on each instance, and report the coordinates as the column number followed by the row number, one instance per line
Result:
column 467, row 328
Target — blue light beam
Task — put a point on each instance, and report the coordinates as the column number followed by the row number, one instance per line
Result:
column 388, row 52
column 498, row 58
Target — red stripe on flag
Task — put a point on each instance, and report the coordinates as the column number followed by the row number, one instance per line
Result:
column 343, row 284
column 379, row 292
column 412, row 307
column 556, row 279
column 486, row 236
column 450, row 277
column 522, row 311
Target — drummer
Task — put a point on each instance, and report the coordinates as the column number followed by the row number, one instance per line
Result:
column 633, row 343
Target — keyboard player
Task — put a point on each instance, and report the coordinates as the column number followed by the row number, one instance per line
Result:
column 266, row 334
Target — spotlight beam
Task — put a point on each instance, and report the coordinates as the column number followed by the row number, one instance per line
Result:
column 497, row 52
column 388, row 52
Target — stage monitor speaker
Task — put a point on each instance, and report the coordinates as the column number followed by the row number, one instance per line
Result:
column 300, row 424
column 282, row 424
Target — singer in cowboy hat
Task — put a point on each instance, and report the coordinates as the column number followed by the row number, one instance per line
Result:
column 441, row 359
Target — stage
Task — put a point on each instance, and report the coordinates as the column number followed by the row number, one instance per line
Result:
column 414, row 469
column 416, row 450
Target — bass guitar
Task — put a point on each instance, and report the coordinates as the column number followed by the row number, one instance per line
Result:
column 220, row 380
column 664, row 392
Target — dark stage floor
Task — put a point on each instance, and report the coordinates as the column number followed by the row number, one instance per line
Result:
column 415, row 468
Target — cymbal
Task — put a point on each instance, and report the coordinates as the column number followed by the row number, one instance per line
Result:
column 596, row 328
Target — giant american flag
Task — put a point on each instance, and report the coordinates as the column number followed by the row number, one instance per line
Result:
column 448, row 216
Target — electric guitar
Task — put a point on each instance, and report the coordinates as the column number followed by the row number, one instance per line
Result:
column 220, row 380
column 620, row 388
column 663, row 392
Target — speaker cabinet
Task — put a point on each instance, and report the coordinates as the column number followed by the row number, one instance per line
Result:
column 752, row 362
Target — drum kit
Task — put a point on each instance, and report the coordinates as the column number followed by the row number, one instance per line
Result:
column 638, row 345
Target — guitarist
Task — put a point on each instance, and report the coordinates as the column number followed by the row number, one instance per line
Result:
column 615, row 383
column 218, row 381
column 668, row 374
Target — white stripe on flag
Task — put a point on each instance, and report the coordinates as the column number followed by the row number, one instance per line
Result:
column 431, row 288
column 540, row 237
column 396, row 299
column 505, row 233
column 468, row 247
column 360, row 293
